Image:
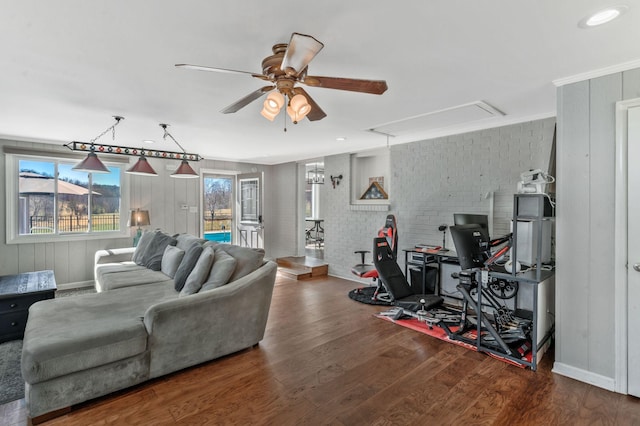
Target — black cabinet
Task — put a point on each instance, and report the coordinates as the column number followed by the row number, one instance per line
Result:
column 17, row 294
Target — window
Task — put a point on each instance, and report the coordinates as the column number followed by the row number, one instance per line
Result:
column 49, row 201
column 249, row 201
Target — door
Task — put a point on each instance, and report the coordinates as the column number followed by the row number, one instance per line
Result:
column 217, row 211
column 249, row 210
column 633, row 250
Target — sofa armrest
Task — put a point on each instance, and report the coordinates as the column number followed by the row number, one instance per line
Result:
column 114, row 255
column 193, row 329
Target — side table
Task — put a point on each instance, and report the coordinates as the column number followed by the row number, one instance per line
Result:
column 17, row 293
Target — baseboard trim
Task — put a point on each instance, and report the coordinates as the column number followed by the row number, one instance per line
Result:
column 581, row 375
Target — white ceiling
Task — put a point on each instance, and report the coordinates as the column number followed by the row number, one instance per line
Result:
column 67, row 66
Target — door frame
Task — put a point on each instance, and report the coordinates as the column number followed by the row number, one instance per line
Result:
column 620, row 245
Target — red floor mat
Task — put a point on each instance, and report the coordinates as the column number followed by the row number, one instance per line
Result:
column 439, row 333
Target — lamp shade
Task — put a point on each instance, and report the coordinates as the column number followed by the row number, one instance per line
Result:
column 300, row 106
column 184, row 171
column 91, row 164
column 274, row 101
column 268, row 114
column 142, row 167
column 139, row 218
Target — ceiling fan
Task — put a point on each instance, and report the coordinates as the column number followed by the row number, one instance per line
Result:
column 284, row 70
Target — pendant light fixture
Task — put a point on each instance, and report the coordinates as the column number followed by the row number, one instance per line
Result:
column 184, row 171
column 142, row 168
column 92, row 163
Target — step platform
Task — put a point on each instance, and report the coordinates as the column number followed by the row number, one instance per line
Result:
column 302, row 267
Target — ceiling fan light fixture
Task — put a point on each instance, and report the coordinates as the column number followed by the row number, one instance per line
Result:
column 275, row 100
column 269, row 115
column 299, row 106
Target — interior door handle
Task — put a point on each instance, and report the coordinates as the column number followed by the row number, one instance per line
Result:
column 636, row 266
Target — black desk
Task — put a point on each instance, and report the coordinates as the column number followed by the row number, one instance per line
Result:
column 17, row 293
column 420, row 258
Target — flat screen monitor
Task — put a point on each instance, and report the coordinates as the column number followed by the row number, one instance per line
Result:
column 471, row 219
column 472, row 245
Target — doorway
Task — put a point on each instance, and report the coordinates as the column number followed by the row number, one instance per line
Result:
column 627, row 248
column 313, row 218
column 217, row 211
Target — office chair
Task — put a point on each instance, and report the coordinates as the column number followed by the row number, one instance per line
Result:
column 390, row 233
column 398, row 290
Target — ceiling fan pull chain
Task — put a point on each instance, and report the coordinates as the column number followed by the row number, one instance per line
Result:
column 285, row 115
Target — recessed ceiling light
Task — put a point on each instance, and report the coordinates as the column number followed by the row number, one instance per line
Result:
column 148, row 141
column 341, row 138
column 602, row 16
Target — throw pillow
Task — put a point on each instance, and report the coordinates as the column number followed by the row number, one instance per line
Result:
column 144, row 241
column 171, row 260
column 189, row 260
column 153, row 254
column 221, row 271
column 199, row 273
column 248, row 259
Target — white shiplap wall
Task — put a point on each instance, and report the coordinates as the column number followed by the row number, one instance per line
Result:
column 585, row 225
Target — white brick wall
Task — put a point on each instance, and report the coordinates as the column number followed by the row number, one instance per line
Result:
column 432, row 180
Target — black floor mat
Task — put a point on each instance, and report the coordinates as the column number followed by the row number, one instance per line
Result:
column 365, row 295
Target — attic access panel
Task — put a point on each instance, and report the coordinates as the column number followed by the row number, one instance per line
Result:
column 434, row 120
column 374, row 192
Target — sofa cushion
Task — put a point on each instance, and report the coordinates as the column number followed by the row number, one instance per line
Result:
column 221, row 271
column 199, row 273
column 131, row 278
column 72, row 334
column 152, row 257
column 249, row 259
column 144, row 241
column 189, row 260
column 100, row 271
column 184, row 241
column 171, row 260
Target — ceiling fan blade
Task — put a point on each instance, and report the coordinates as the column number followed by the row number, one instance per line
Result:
column 300, row 51
column 316, row 112
column 375, row 87
column 224, row 70
column 241, row 103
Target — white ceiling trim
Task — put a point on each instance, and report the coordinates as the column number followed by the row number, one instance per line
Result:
column 625, row 66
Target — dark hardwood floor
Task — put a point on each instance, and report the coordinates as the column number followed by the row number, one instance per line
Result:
column 326, row 360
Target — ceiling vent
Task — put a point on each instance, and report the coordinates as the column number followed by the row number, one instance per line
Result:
column 448, row 117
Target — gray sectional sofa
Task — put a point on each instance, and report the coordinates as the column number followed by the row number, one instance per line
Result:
column 171, row 303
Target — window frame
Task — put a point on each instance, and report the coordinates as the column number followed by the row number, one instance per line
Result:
column 13, row 235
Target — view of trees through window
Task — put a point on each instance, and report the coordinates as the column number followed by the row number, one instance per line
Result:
column 217, row 204
column 74, row 202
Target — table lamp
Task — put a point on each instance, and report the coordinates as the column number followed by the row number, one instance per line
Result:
column 138, row 218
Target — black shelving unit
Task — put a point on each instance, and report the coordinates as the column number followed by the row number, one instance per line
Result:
column 534, row 208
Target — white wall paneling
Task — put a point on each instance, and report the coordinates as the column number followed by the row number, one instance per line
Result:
column 586, row 294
